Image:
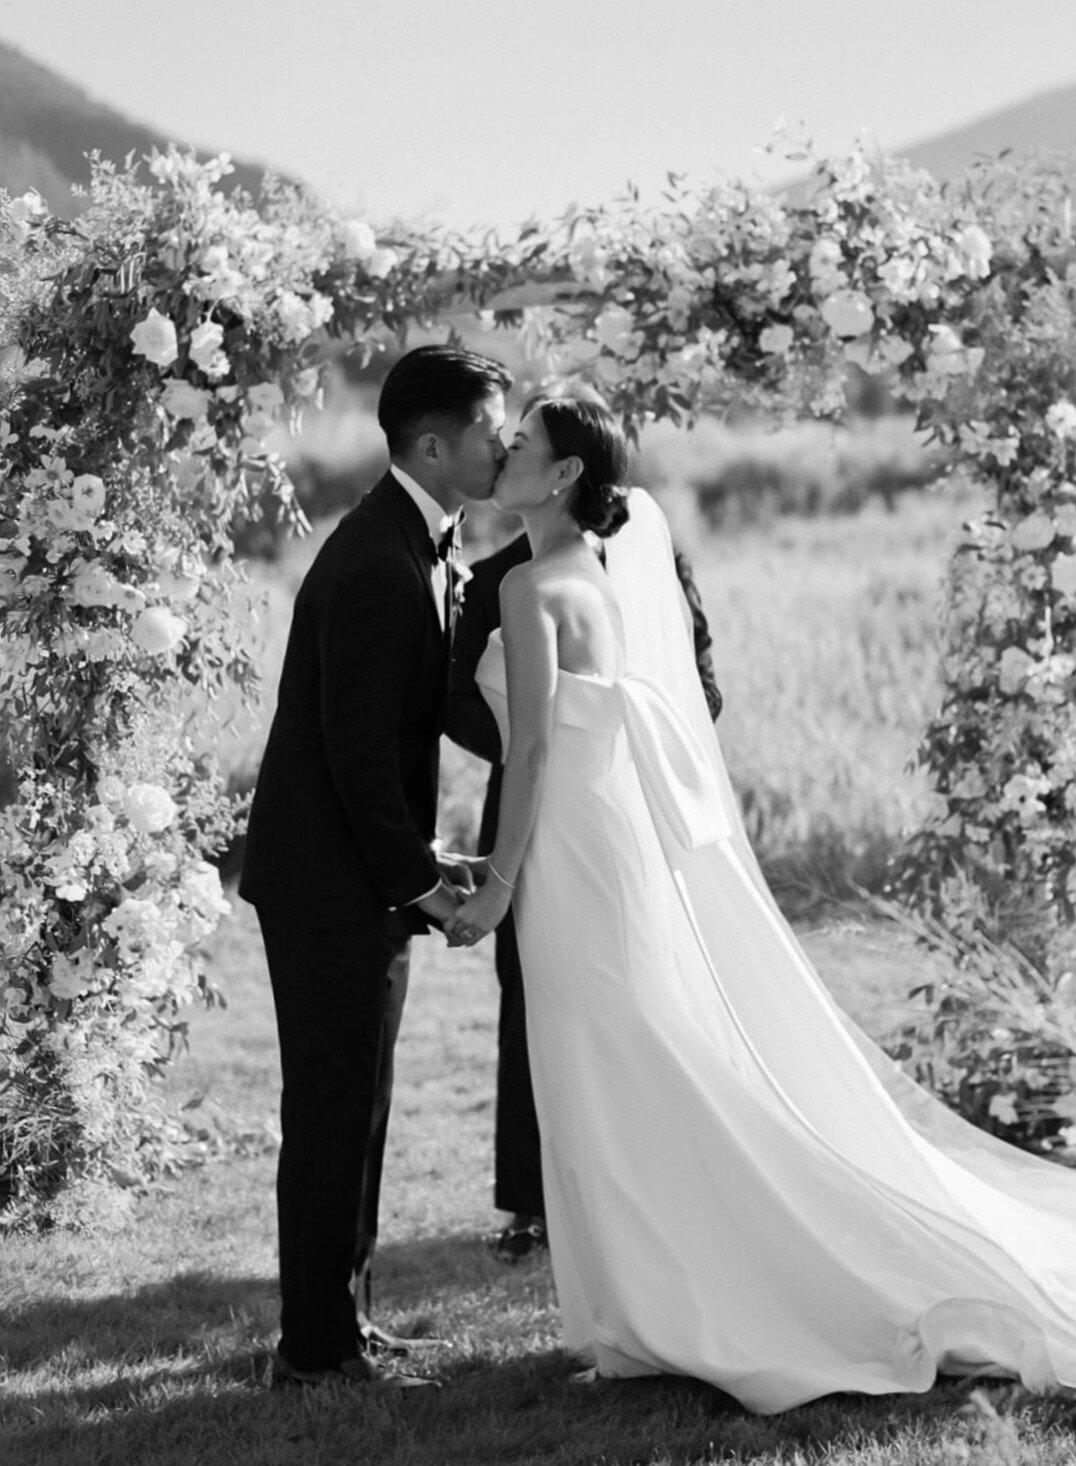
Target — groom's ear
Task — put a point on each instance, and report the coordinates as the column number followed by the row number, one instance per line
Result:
column 428, row 448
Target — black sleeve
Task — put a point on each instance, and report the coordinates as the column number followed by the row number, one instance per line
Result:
column 703, row 640
column 367, row 629
column 468, row 719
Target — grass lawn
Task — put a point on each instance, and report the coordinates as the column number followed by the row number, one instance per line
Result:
column 149, row 1341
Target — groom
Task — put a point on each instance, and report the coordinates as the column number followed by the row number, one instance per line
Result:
column 338, row 860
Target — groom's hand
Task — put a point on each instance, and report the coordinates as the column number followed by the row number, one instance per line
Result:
column 440, row 905
column 461, row 872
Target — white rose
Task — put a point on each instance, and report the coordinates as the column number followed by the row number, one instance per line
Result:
column 1034, row 532
column 155, row 339
column 92, row 585
column 294, row 316
column 848, row 313
column 206, row 342
column 1061, row 419
column 776, row 340
column 156, row 630
column 149, row 808
column 201, row 888
column 184, row 400
column 381, row 263
column 88, row 497
column 976, row 249
column 358, row 240
column 28, row 207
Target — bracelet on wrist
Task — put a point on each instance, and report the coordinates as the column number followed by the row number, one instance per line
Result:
column 497, row 876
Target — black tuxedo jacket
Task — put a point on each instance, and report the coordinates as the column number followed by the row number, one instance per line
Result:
column 346, row 800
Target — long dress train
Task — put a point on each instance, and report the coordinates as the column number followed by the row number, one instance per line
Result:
column 740, row 1186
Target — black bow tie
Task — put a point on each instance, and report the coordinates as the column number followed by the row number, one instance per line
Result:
column 449, row 539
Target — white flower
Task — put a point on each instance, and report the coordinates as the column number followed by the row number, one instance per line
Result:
column 976, row 250
column 1016, row 666
column 1002, row 1107
column 88, row 498
column 155, row 339
column 66, row 980
column 214, row 259
column 156, row 630
column 206, row 353
column 358, row 240
column 381, row 263
column 135, row 922
column 28, row 207
column 149, row 808
column 848, row 313
column 1063, row 575
column 776, row 340
column 201, row 889
column 184, row 400
column 265, row 397
column 295, row 317
column 11, row 568
column 895, row 349
column 93, row 585
column 1034, row 532
column 1061, row 419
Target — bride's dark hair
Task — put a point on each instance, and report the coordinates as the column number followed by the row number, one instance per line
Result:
column 588, row 431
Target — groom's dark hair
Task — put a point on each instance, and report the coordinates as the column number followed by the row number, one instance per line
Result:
column 436, row 387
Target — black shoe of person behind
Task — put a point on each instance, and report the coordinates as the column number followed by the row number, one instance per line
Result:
column 523, row 1236
column 362, row 1370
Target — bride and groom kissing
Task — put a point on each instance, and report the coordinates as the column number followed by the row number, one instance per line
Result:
column 739, row 1186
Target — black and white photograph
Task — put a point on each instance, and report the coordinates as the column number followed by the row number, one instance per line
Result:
column 537, row 737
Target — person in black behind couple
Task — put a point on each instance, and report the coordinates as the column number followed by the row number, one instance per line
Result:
column 341, row 862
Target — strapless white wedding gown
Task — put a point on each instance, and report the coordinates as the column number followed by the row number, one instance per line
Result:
column 740, row 1187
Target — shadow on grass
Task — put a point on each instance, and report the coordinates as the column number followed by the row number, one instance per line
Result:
column 177, row 1373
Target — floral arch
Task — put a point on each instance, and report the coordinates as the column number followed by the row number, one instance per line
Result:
column 148, row 349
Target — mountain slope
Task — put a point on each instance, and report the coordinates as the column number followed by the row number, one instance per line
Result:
column 48, row 124
column 1047, row 120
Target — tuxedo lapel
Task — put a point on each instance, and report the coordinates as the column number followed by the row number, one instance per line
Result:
column 392, row 495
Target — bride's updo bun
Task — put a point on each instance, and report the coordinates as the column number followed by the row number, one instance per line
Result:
column 586, row 429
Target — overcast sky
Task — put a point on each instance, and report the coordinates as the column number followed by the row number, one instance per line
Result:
column 487, row 111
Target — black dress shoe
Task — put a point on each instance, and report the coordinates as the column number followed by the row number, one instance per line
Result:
column 362, row 1370
column 358, row 1371
column 523, row 1236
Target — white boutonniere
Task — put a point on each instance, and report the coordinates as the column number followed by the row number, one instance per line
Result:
column 461, row 574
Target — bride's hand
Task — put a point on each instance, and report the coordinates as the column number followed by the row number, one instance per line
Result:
column 478, row 915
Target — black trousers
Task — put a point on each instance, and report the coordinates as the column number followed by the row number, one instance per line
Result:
column 517, row 1147
column 339, row 996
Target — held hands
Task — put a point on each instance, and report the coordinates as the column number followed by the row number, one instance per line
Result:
column 476, row 917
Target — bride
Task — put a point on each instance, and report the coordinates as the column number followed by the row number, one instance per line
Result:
column 740, row 1186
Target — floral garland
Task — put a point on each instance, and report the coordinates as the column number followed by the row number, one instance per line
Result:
column 153, row 345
